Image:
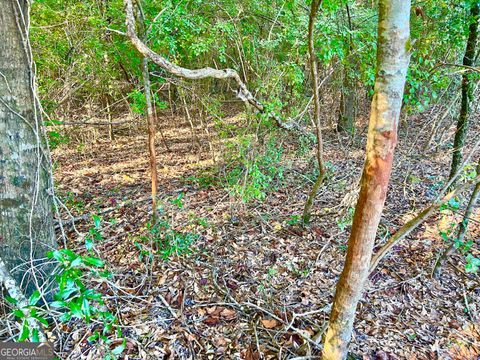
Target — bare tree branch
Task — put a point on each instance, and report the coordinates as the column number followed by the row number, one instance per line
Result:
column 195, row 74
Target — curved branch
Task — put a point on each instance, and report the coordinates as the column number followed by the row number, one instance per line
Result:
column 194, row 74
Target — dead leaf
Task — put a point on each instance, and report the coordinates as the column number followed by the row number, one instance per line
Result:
column 269, row 323
column 228, row 314
column 212, row 320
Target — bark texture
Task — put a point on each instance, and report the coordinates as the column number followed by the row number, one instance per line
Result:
column 392, row 63
column 26, row 220
column 467, row 89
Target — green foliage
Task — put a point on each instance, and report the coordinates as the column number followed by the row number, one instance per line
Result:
column 72, row 299
column 138, row 102
column 162, row 240
column 346, row 220
column 250, row 173
column 55, row 138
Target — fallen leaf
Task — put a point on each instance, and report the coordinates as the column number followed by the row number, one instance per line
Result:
column 228, row 314
column 269, row 323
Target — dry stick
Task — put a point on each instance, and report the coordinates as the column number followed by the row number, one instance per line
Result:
column 406, row 229
column 195, row 74
column 110, row 122
column 16, row 293
column 73, row 220
column 437, row 269
column 316, row 112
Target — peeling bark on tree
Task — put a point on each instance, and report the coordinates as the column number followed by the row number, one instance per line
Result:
column 26, row 220
column 392, row 64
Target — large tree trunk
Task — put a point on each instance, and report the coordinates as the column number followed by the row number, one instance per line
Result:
column 26, row 220
column 467, row 89
column 392, row 64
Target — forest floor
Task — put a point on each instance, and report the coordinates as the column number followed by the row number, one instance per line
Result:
column 256, row 284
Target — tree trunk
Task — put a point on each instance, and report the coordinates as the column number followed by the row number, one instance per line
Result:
column 392, row 64
column 150, row 117
column 26, row 220
column 346, row 118
column 316, row 111
column 151, row 138
column 467, row 93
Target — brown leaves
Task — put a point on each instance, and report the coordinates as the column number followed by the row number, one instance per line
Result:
column 250, row 354
column 216, row 314
column 270, row 323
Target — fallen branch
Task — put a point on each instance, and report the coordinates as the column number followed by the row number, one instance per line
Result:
column 195, row 74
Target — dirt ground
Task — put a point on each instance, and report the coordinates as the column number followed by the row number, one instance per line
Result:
column 256, row 285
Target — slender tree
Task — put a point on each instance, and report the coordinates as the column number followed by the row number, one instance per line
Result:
column 392, row 63
column 316, row 110
column 26, row 220
column 467, row 88
column 150, row 117
column 346, row 117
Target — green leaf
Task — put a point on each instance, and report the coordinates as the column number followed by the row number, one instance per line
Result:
column 34, row 298
column 93, row 337
column 18, row 313
column 89, row 243
column 97, row 221
column 77, row 262
column 11, row 300
column 58, row 304
column 119, row 349
column 41, row 320
column 94, row 261
column 25, row 332
column 35, row 335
